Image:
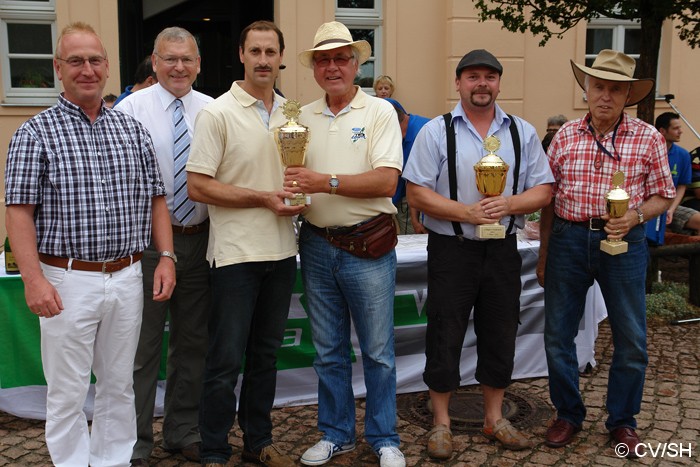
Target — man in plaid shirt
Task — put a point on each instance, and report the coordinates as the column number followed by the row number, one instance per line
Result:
column 82, row 192
column 584, row 155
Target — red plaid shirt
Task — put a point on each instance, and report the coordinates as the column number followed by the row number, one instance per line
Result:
column 580, row 187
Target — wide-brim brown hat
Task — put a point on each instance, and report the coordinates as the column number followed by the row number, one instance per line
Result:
column 612, row 65
column 334, row 35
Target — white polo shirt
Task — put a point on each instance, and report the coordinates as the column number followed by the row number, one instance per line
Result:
column 362, row 137
column 235, row 146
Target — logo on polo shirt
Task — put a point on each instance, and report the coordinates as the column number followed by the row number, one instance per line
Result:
column 358, row 133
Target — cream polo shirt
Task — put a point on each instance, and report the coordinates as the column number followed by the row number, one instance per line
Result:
column 232, row 144
column 362, row 137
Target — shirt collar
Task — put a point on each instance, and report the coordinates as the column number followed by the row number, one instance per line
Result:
column 73, row 109
column 246, row 100
column 501, row 118
column 357, row 102
column 167, row 99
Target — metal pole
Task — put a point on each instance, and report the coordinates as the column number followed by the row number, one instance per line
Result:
column 668, row 98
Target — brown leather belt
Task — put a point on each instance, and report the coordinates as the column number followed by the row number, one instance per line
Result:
column 191, row 229
column 105, row 267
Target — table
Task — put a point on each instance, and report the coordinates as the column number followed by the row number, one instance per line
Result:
column 23, row 390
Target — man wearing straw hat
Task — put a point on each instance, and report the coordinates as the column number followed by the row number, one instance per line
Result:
column 584, row 156
column 346, row 245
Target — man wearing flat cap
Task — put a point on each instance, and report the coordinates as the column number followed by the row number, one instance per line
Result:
column 466, row 271
column 585, row 156
column 346, row 246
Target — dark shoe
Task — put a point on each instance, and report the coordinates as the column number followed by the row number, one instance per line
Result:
column 139, row 462
column 560, row 433
column 269, row 456
column 625, row 442
column 189, row 452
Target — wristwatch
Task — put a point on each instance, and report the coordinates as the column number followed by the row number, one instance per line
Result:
column 169, row 254
column 333, row 182
column 640, row 215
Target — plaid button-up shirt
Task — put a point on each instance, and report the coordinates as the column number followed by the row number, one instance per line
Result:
column 92, row 183
column 583, row 171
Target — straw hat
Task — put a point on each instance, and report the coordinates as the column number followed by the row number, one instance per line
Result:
column 334, row 35
column 612, row 65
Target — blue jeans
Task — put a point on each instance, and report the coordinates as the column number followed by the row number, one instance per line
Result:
column 574, row 260
column 250, row 305
column 340, row 287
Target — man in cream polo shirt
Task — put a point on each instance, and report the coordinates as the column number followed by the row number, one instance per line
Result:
column 234, row 167
column 352, row 166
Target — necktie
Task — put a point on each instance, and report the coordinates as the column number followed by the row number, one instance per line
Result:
column 183, row 207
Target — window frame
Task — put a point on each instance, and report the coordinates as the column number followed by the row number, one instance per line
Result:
column 26, row 12
column 619, row 27
column 366, row 18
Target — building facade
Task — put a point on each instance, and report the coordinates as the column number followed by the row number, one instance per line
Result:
column 416, row 42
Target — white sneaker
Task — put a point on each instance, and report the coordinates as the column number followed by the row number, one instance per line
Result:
column 390, row 456
column 321, row 452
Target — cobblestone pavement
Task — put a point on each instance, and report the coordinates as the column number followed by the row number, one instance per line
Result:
column 670, row 414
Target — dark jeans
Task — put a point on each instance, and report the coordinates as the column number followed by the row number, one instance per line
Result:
column 250, row 304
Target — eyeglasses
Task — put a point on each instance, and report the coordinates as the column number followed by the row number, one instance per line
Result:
column 172, row 61
column 78, row 62
column 339, row 61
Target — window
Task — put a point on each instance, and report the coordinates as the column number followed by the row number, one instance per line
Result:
column 364, row 20
column 606, row 33
column 27, row 42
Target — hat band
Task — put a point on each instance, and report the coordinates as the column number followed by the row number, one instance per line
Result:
column 611, row 70
column 332, row 41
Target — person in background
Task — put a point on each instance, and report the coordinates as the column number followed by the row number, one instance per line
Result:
column 680, row 219
column 384, row 87
column 235, row 168
column 168, row 111
column 84, row 198
column 466, row 272
column 144, row 77
column 409, row 218
column 585, row 156
column 109, row 100
column 555, row 122
column 350, row 187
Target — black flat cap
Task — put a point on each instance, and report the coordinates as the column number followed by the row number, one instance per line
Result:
column 479, row 57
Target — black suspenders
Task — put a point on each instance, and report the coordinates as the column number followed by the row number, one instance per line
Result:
column 452, row 164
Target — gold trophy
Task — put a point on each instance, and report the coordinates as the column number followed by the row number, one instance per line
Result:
column 292, row 139
column 616, row 204
column 491, row 172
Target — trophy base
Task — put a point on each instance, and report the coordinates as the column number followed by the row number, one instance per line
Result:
column 491, row 231
column 299, row 199
column 613, row 248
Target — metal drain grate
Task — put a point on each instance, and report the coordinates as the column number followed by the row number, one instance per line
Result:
column 467, row 409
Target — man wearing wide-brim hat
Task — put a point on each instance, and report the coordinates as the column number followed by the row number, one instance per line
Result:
column 584, row 155
column 353, row 162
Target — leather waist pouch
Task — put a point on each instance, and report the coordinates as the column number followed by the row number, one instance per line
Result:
column 370, row 239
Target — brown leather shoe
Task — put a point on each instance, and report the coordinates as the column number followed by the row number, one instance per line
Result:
column 189, row 452
column 628, row 437
column 560, row 433
column 269, row 456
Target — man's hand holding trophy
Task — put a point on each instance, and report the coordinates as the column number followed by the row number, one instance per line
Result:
column 292, row 138
column 491, row 172
column 616, row 203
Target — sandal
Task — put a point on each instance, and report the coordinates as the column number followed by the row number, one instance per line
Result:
column 507, row 435
column 440, row 442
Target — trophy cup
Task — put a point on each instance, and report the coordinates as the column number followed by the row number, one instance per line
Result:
column 616, row 204
column 491, row 172
column 292, row 139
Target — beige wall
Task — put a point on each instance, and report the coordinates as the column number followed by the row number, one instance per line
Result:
column 423, row 42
